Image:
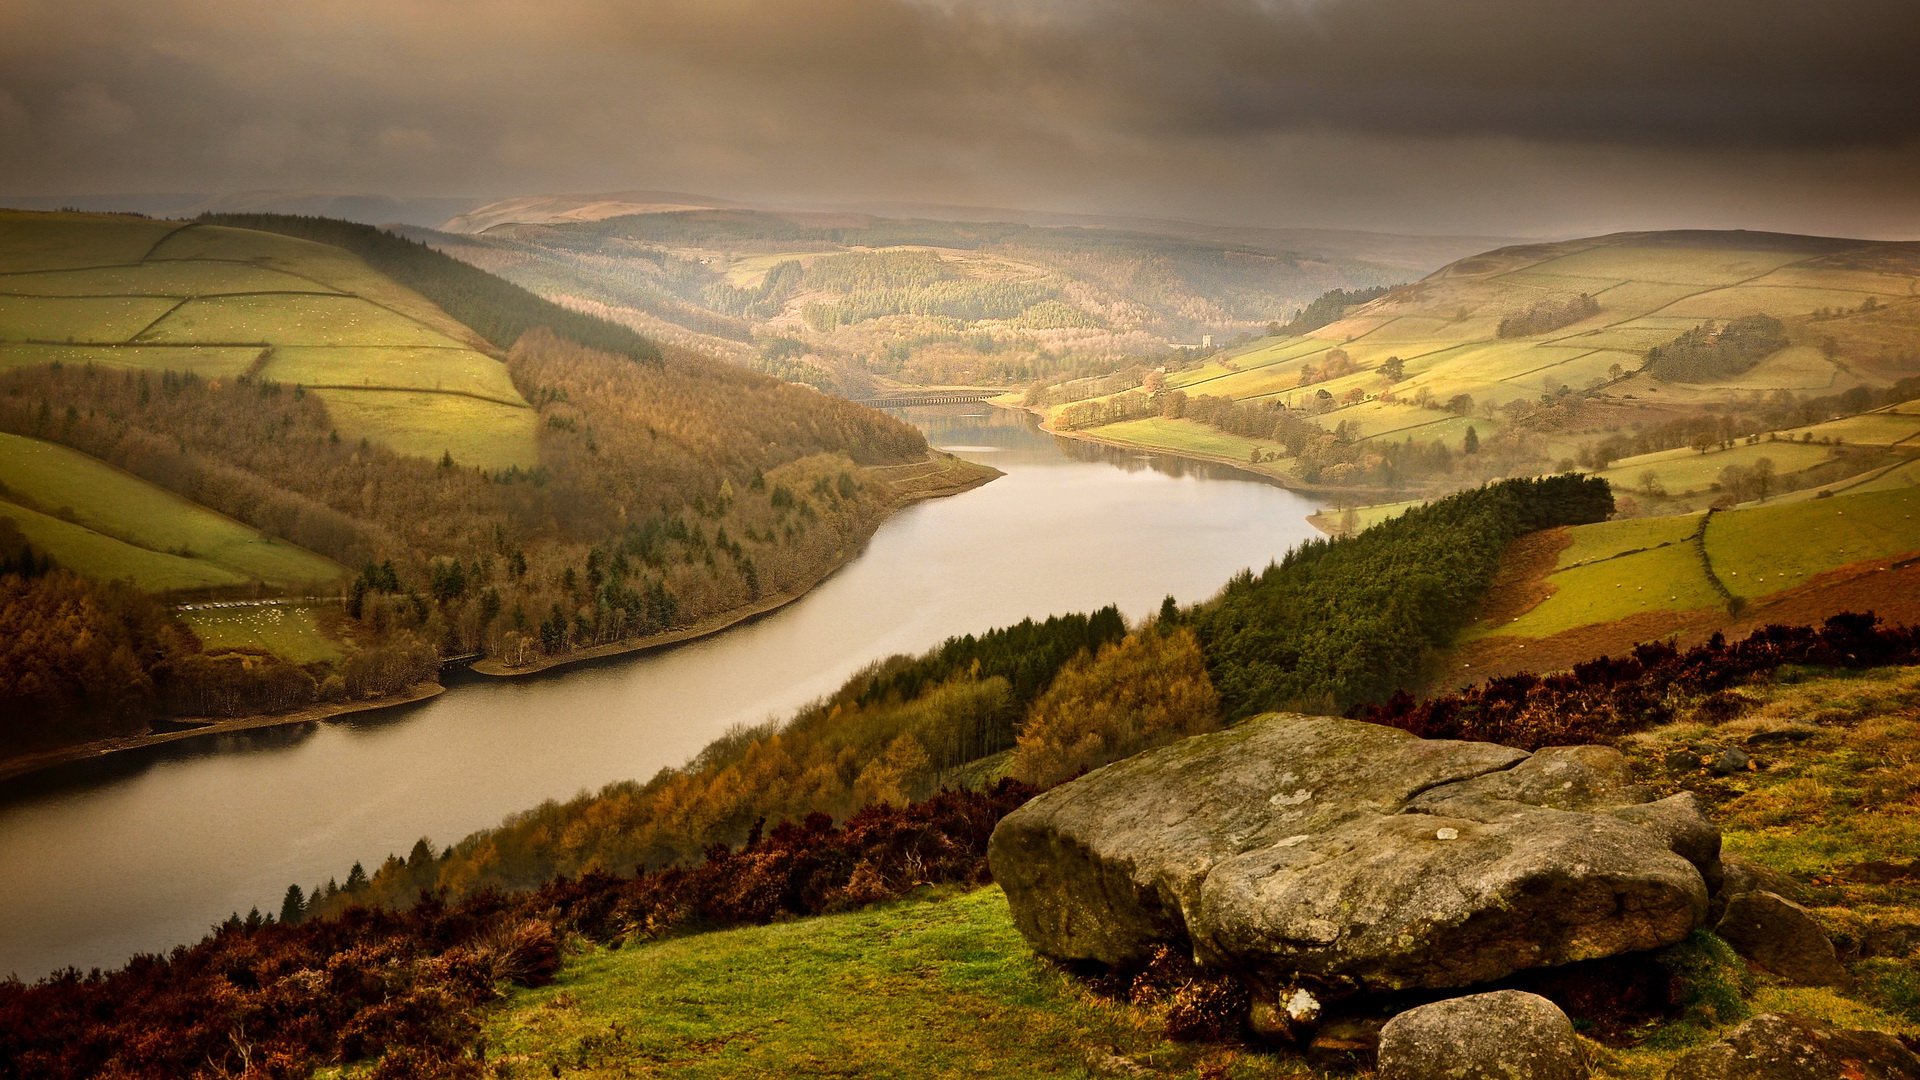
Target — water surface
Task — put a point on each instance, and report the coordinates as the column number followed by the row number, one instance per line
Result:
column 145, row 851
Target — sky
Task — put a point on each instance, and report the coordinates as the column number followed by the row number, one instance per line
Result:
column 1511, row 117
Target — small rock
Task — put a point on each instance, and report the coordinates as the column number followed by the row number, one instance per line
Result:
column 1779, row 935
column 1104, row 1063
column 1782, row 1046
column 1731, row 760
column 1893, row 939
column 1685, row 761
column 1881, row 872
column 1505, row 1035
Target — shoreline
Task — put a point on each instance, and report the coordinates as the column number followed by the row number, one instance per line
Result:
column 1315, row 491
column 14, row 768
column 732, row 617
column 973, row 476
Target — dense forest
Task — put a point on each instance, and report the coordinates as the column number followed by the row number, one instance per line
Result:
column 1546, row 316
column 1348, row 620
column 1329, row 307
column 1710, row 351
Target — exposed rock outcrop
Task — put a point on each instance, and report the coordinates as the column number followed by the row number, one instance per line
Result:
column 1782, row 1046
column 1314, row 852
column 1505, row 1035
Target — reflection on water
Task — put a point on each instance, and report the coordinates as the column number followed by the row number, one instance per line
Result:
column 139, row 852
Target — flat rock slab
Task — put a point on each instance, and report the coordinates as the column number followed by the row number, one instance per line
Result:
column 1353, row 856
column 1505, row 1035
column 1782, row 1046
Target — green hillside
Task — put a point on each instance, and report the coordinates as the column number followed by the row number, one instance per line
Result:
column 173, row 296
column 1618, row 353
column 1617, row 569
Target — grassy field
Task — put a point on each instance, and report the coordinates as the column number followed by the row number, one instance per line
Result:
column 107, row 504
column 1608, row 539
column 920, row 989
column 1668, row 578
column 128, row 293
column 1618, row 569
column 1189, row 437
column 1749, row 556
column 286, row 630
column 483, row 434
column 211, row 361
column 1683, row 469
column 84, row 551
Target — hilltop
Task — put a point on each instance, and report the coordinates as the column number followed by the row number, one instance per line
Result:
column 282, row 463
column 848, row 301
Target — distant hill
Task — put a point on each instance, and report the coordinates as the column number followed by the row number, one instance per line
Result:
column 1617, row 353
column 551, row 209
column 364, row 207
column 843, row 299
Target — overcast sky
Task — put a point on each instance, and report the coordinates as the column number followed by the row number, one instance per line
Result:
column 1511, row 116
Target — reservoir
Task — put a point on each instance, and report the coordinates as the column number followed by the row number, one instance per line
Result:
column 147, row 850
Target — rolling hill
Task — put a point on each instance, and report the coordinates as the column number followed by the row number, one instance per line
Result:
column 842, row 299
column 1602, row 353
column 342, row 460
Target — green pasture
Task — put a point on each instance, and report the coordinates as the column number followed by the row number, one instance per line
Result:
column 211, row 361
column 1684, row 469
column 290, row 319
column 1188, row 437
column 1662, row 579
column 933, row 988
column 86, row 552
column 327, row 267
column 164, row 278
column 1819, row 275
column 32, row 241
column 1607, row 539
column 74, row 488
column 1749, row 554
column 400, row 368
column 1747, row 299
column 482, row 434
column 1880, row 428
column 78, row 318
column 1797, row 367
column 289, row 631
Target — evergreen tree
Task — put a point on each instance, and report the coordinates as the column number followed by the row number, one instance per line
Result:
column 294, row 907
column 356, row 879
column 1470, row 444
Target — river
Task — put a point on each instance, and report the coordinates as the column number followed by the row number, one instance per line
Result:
column 143, row 851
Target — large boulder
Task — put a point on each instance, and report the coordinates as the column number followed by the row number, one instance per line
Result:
column 1505, row 1035
column 1782, row 1046
column 1315, row 851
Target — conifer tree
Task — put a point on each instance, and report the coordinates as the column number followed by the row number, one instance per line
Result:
column 294, row 907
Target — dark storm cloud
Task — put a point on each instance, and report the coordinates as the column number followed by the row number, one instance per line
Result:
column 1366, row 111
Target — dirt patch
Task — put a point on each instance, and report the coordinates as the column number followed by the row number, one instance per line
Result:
column 1520, row 585
column 1890, row 588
